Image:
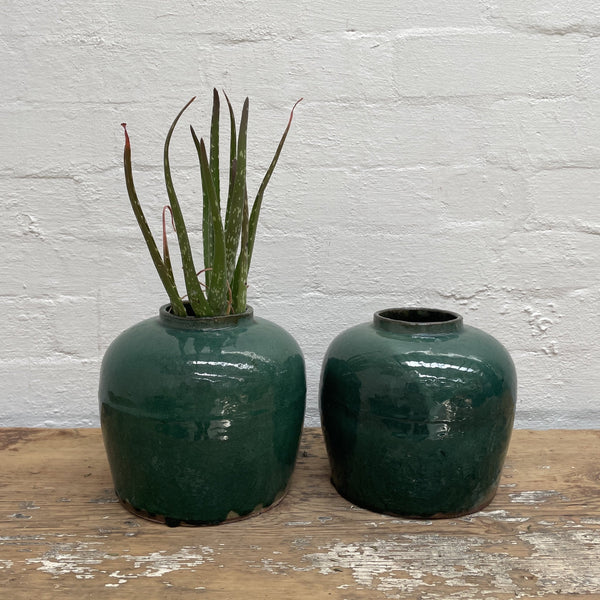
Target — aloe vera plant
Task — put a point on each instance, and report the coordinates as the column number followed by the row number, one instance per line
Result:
column 228, row 240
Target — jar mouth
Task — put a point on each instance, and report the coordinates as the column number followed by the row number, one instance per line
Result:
column 418, row 315
column 193, row 322
column 418, row 319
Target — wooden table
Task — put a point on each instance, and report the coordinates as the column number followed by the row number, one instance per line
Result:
column 63, row 535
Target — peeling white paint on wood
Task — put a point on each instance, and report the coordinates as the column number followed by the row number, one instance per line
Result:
column 278, row 567
column 497, row 515
column 412, row 564
column 86, row 560
column 315, row 541
column 396, row 565
column 78, row 558
column 554, row 573
column 535, row 496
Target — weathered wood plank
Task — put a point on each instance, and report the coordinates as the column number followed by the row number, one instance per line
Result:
column 64, row 535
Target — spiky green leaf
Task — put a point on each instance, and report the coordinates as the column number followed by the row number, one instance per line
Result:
column 217, row 290
column 232, row 148
column 166, row 276
column 214, row 145
column 235, row 206
column 166, row 254
column 195, row 294
column 207, row 232
column 240, row 283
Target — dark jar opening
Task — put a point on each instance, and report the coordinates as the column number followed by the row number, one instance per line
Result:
column 418, row 320
column 193, row 322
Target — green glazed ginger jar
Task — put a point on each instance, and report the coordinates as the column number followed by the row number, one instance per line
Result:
column 417, row 412
column 202, row 417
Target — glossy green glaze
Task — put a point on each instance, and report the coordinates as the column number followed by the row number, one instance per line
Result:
column 417, row 411
column 201, row 417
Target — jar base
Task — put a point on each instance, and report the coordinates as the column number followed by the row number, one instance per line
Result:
column 232, row 517
column 423, row 516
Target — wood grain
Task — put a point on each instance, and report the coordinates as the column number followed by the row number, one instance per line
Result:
column 63, row 535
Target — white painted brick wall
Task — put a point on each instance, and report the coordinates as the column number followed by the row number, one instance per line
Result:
column 446, row 154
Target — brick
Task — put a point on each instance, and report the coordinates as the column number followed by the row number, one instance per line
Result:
column 555, row 261
column 544, row 134
column 50, row 393
column 394, row 134
column 590, row 76
column 280, row 267
column 334, row 69
column 559, row 17
column 234, row 21
column 386, row 263
column 566, row 196
column 51, row 327
column 386, row 198
column 51, row 142
column 485, row 63
column 82, row 68
column 71, row 267
column 27, row 333
column 548, row 403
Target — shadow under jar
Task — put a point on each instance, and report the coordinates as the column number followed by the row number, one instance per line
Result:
column 417, row 411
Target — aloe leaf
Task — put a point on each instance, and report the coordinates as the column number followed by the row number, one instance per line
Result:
column 240, row 278
column 207, row 232
column 235, row 205
column 165, row 276
column 232, row 148
column 263, row 186
column 207, row 236
column 217, row 290
column 196, row 296
column 166, row 255
column 214, row 145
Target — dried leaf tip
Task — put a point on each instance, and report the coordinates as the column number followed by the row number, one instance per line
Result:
column 293, row 107
column 124, row 126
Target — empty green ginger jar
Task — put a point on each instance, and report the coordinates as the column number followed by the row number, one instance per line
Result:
column 417, row 412
column 201, row 417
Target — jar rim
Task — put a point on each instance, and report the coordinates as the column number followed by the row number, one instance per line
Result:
column 194, row 322
column 418, row 319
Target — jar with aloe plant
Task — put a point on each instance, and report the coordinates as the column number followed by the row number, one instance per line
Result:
column 202, row 405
